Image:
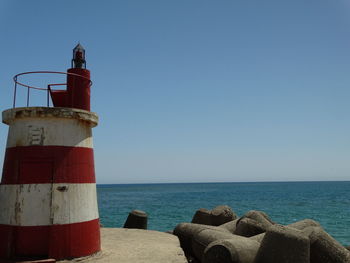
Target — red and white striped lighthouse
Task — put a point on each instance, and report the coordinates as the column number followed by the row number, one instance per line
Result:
column 48, row 203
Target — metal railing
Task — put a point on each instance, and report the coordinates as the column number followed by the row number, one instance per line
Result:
column 48, row 89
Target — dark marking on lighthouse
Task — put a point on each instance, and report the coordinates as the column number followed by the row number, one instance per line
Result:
column 36, row 135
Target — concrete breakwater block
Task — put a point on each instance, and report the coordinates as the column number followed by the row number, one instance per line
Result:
column 260, row 217
column 258, row 238
column 204, row 237
column 202, row 216
column 186, row 231
column 250, row 224
column 255, row 238
column 136, row 219
column 234, row 250
column 300, row 225
column 222, row 214
column 217, row 216
column 324, row 248
column 248, row 227
column 253, row 223
column 284, row 245
column 230, row 226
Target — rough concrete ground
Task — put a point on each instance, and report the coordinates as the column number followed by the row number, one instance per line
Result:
column 136, row 246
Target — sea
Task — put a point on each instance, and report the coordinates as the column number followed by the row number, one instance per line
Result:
column 285, row 202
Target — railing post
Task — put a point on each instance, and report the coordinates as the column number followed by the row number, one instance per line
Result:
column 48, row 98
column 14, row 95
column 28, row 96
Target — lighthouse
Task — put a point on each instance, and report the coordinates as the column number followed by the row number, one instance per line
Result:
column 48, row 202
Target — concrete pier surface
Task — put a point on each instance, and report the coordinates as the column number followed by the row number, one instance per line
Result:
column 124, row 245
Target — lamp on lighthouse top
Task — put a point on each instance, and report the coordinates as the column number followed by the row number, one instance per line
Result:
column 78, row 60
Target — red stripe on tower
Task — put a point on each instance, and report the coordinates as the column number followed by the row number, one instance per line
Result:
column 35, row 165
column 48, row 187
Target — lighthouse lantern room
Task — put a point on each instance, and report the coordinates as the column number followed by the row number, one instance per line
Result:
column 48, row 197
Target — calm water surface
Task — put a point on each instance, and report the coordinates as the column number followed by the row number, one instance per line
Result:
column 286, row 202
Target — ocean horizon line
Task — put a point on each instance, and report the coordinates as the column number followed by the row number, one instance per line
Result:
column 228, row 182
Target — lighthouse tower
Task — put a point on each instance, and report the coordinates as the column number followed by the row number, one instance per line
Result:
column 48, row 204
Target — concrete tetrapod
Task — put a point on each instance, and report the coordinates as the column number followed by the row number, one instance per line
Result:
column 186, row 231
column 202, row 216
column 259, row 238
column 259, row 216
column 284, row 245
column 248, row 227
column 221, row 215
column 253, row 223
column 234, row 250
column 300, row 225
column 324, row 248
column 230, row 226
column 136, row 219
column 203, row 238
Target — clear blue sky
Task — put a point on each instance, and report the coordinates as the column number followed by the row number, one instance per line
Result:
column 198, row 91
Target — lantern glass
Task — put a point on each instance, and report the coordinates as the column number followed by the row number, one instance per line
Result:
column 78, row 60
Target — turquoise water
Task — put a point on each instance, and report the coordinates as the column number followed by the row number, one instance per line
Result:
column 285, row 202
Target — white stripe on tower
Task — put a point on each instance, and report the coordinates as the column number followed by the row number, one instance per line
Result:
column 48, row 130
column 34, row 201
